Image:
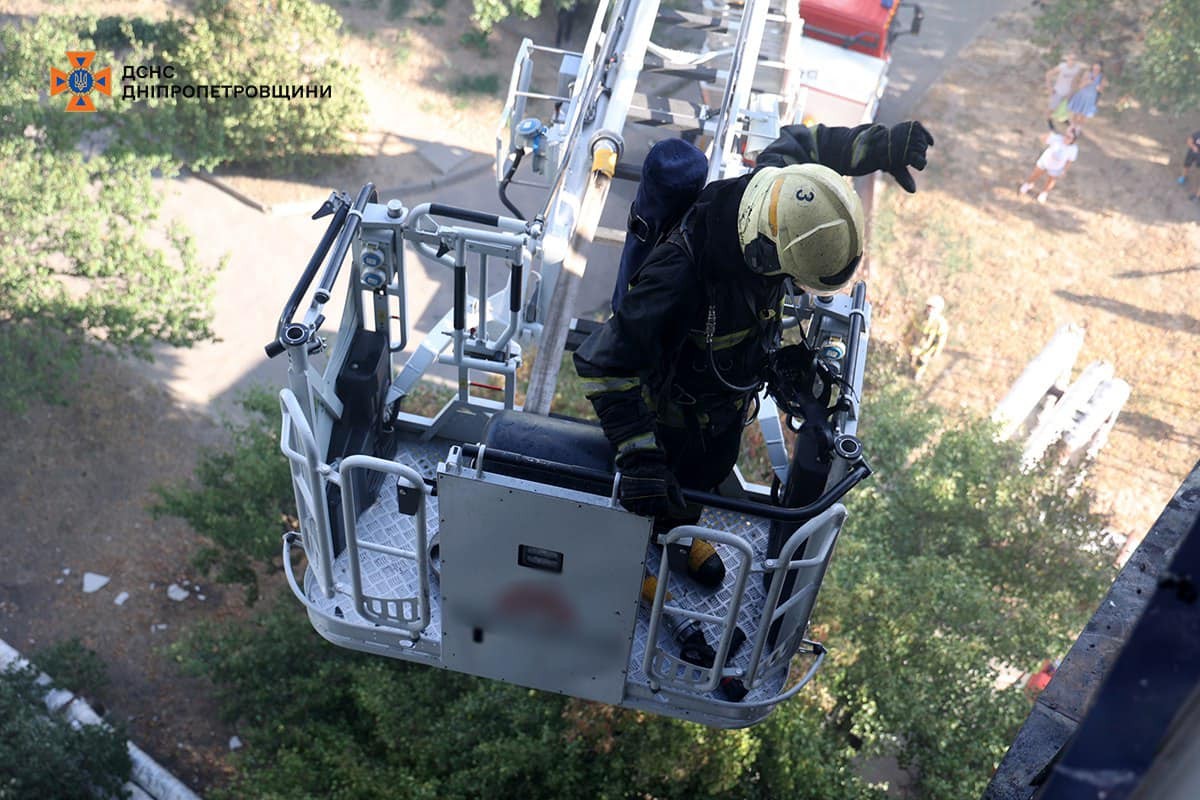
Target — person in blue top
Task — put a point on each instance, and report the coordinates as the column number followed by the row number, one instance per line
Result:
column 1082, row 104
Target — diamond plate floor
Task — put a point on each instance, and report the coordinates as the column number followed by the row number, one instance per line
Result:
column 386, row 576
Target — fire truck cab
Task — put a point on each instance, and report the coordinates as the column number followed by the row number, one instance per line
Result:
column 845, row 55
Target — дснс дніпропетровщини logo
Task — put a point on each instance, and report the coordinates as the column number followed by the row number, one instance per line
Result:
column 80, row 81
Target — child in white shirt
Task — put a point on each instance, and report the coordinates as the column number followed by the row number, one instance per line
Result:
column 1061, row 150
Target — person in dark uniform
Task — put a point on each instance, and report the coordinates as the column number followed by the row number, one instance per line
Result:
column 674, row 371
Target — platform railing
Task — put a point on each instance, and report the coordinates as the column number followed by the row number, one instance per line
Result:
column 310, row 477
column 406, row 613
column 666, row 671
column 824, row 528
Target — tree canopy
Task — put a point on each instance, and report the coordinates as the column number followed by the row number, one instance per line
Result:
column 43, row 755
column 83, row 257
column 953, row 564
column 78, row 258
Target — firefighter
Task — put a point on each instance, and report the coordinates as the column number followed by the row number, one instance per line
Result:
column 927, row 336
column 674, row 371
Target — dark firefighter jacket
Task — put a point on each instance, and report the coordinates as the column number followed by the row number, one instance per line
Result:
column 649, row 365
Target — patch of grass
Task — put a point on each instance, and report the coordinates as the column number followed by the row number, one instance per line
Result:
column 72, row 666
column 488, row 84
column 883, row 228
column 955, row 247
column 432, row 18
column 370, row 4
column 476, row 40
column 402, row 49
column 398, row 8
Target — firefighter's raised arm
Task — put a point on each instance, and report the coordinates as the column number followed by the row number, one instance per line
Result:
column 853, row 151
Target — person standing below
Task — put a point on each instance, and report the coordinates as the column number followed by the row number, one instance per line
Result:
column 1060, row 83
column 1190, row 159
column 927, row 336
column 1061, row 150
column 1082, row 104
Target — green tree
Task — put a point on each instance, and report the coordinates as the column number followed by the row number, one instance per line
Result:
column 279, row 44
column 1170, row 61
column 76, row 260
column 242, row 499
column 489, row 12
column 43, row 755
column 954, row 563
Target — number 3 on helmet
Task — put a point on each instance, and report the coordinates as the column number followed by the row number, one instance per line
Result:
column 805, row 221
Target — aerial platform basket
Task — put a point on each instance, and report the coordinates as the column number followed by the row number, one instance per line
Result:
column 488, row 540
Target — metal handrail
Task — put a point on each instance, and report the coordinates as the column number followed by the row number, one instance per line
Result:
column 315, row 478
column 784, row 564
column 349, row 517
column 728, row 622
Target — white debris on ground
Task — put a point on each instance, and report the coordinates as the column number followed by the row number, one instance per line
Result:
column 121, row 598
column 158, row 626
column 93, row 582
column 234, row 743
column 177, row 593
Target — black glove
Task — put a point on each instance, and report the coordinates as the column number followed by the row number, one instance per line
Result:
column 647, row 487
column 892, row 150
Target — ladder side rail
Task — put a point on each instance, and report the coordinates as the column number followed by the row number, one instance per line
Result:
column 413, row 623
column 573, row 211
column 515, row 102
column 780, row 566
column 655, row 655
column 309, row 488
column 737, row 90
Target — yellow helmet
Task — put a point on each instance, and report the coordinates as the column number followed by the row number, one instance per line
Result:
column 803, row 220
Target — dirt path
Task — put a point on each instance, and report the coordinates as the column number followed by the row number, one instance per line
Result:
column 1116, row 249
column 74, row 482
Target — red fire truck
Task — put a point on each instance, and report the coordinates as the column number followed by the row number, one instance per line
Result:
column 845, row 54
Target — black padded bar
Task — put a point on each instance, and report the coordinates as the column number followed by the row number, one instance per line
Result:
column 460, row 297
column 628, row 172
column 310, row 271
column 365, row 195
column 603, row 483
column 466, row 214
column 514, row 293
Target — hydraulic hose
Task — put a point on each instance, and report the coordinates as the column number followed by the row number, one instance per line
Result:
column 518, row 154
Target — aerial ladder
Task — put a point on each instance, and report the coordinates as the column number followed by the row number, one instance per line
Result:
column 488, row 538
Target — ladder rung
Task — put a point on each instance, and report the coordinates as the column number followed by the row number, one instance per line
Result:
column 539, row 96
column 667, row 111
column 657, row 65
column 692, row 21
column 614, row 235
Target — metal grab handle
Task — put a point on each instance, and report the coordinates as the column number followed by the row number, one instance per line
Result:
column 509, row 224
column 366, row 195
column 603, row 483
column 276, row 347
column 288, row 539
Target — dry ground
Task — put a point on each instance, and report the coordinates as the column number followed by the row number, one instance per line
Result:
column 1116, row 249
